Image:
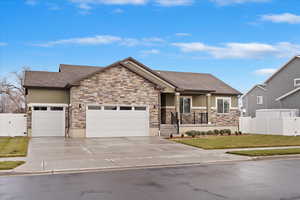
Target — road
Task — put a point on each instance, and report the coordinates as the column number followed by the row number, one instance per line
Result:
column 261, row 180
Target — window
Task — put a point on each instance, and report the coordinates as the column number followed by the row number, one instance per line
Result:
column 55, row 108
column 94, row 107
column 260, row 100
column 140, row 108
column 125, row 108
column 185, row 104
column 296, row 82
column 223, row 105
column 110, row 107
column 41, row 108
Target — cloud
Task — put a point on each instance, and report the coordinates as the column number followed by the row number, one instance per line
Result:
column 183, row 34
column 229, row 2
column 174, row 2
column 103, row 40
column 282, row 18
column 151, row 51
column 265, row 71
column 118, row 11
column 31, row 2
column 97, row 40
column 52, row 6
column 87, row 4
column 241, row 50
column 3, row 44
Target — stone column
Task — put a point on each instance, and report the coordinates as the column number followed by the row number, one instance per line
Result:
column 208, row 107
column 177, row 104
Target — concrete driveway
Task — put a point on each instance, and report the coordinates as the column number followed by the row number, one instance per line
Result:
column 55, row 154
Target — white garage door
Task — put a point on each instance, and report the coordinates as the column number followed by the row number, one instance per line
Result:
column 117, row 121
column 48, row 121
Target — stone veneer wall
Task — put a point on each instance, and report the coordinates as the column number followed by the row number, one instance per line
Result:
column 166, row 115
column 116, row 85
column 230, row 119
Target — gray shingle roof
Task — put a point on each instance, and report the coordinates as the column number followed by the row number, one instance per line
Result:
column 70, row 73
column 198, row 81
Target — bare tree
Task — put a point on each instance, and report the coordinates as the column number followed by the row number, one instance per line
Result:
column 12, row 93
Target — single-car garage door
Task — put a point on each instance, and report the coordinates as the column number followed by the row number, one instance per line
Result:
column 48, row 121
column 117, row 121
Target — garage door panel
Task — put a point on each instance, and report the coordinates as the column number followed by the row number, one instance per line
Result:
column 48, row 123
column 117, row 123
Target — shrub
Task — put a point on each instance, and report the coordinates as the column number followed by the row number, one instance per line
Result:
column 240, row 132
column 228, row 131
column 182, row 135
column 198, row 133
column 191, row 133
column 216, row 132
column 222, row 132
column 209, row 132
column 203, row 133
column 236, row 133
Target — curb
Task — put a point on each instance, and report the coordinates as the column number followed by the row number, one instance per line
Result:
column 87, row 170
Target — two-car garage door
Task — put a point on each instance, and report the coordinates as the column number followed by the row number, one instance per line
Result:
column 117, row 121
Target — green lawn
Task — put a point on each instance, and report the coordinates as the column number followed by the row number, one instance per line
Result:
column 244, row 141
column 13, row 146
column 6, row 165
column 269, row 152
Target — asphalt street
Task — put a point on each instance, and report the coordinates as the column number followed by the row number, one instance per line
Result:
column 262, row 180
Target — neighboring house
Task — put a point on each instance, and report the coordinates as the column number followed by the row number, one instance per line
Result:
column 280, row 91
column 125, row 99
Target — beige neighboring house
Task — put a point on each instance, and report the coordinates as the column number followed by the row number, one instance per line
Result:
column 126, row 98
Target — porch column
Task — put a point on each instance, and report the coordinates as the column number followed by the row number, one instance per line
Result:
column 177, row 104
column 208, row 107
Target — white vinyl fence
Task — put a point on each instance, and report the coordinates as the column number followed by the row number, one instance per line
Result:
column 273, row 126
column 13, row 124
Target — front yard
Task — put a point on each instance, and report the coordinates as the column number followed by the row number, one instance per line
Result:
column 6, row 165
column 243, row 141
column 267, row 152
column 12, row 147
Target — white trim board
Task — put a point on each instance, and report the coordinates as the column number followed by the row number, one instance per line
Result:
column 287, row 94
column 47, row 104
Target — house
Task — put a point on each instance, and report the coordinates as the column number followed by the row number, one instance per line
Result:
column 126, row 98
column 279, row 91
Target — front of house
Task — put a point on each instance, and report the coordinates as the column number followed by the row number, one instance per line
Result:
column 126, row 99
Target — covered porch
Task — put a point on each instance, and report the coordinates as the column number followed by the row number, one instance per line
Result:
column 186, row 108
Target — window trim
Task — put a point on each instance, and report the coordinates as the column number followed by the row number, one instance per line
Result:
column 258, row 98
column 191, row 104
column 223, row 98
column 295, row 80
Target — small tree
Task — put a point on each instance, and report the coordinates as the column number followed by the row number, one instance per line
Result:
column 12, row 93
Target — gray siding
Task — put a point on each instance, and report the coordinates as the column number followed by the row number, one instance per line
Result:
column 291, row 102
column 278, row 85
column 283, row 83
column 250, row 101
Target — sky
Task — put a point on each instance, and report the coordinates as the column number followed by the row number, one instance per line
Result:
column 241, row 42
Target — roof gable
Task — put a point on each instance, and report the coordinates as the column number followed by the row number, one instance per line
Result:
column 135, row 66
column 259, row 86
column 282, row 68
